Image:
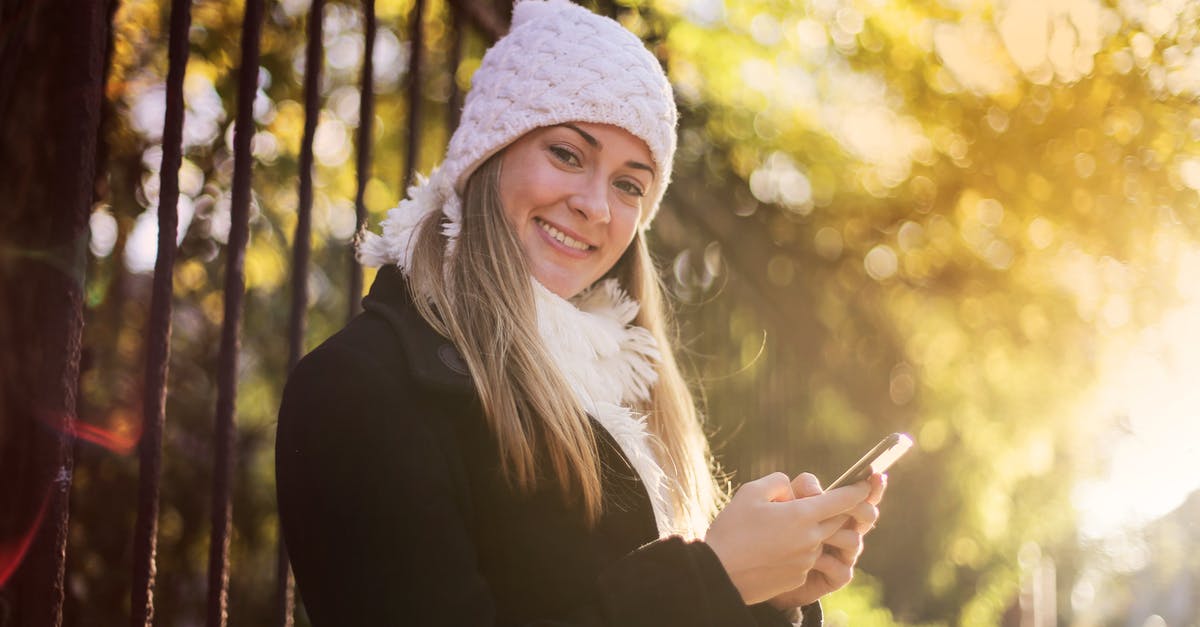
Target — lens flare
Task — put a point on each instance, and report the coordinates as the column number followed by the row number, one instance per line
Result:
column 120, row 438
column 13, row 551
column 121, row 435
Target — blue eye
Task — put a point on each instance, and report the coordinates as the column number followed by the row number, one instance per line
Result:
column 564, row 155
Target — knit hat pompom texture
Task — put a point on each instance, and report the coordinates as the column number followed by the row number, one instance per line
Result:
column 558, row 63
column 562, row 63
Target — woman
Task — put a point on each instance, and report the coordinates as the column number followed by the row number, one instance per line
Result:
column 503, row 437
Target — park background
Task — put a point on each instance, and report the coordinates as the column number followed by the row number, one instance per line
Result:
column 975, row 222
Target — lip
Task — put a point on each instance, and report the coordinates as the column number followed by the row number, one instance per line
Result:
column 559, row 246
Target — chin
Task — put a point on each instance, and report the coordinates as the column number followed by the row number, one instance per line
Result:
column 562, row 286
column 566, row 292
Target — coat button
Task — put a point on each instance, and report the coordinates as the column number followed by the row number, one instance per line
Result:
column 450, row 357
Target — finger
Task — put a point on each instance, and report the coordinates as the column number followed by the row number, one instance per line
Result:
column 806, row 484
column 830, row 526
column 878, row 487
column 846, row 545
column 836, row 572
column 805, row 560
column 863, row 517
column 836, row 501
column 773, row 487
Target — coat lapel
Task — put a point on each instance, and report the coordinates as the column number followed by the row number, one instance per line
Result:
column 433, row 359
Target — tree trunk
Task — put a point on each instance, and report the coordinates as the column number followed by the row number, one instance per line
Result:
column 51, row 63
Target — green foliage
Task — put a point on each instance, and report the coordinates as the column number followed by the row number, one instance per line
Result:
column 885, row 217
column 859, row 604
column 953, row 228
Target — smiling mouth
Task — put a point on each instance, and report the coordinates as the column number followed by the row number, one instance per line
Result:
column 563, row 238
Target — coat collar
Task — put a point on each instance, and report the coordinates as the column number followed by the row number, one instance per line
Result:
column 432, row 358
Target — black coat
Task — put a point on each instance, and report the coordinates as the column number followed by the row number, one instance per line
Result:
column 395, row 512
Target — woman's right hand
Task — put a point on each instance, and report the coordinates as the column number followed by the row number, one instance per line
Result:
column 768, row 540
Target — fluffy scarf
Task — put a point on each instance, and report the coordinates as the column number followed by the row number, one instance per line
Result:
column 607, row 360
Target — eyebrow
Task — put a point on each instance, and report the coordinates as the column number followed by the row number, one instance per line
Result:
column 595, row 143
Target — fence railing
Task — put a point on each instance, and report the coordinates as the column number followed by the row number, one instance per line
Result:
column 72, row 70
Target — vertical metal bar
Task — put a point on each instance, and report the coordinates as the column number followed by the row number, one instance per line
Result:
column 285, row 593
column 503, row 8
column 301, row 244
column 80, row 90
column 416, row 39
column 456, row 37
column 314, row 59
column 491, row 18
column 366, row 127
column 100, row 187
column 227, row 360
column 607, row 8
column 158, row 340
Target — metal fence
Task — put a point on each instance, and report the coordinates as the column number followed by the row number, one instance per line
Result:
column 63, row 49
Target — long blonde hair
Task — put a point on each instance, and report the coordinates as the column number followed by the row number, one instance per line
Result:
column 480, row 298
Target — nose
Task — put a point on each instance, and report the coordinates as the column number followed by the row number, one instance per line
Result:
column 590, row 200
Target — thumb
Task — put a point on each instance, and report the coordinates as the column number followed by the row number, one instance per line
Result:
column 806, row 484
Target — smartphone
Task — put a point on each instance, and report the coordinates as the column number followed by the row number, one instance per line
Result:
column 877, row 460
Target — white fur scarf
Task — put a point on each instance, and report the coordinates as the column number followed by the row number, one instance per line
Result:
column 607, row 360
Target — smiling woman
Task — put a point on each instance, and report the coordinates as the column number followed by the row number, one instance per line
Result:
column 573, row 193
column 504, row 437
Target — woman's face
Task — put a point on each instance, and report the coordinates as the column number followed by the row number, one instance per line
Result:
column 574, row 193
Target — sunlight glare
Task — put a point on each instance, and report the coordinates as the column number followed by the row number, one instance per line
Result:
column 1153, row 456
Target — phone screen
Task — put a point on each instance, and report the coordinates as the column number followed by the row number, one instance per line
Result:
column 877, row 460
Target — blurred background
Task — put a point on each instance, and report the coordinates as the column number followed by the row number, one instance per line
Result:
column 975, row 222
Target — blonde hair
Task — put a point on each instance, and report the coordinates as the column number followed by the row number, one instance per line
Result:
column 480, row 298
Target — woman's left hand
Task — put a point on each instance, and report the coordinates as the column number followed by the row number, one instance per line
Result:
column 835, row 567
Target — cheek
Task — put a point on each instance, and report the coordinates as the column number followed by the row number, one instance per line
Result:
column 624, row 224
column 622, row 231
column 518, row 183
column 511, row 192
column 526, row 185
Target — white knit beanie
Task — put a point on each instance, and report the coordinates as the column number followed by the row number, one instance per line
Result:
column 558, row 63
column 562, row 63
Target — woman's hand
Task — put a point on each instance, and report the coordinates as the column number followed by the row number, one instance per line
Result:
column 768, row 540
column 834, row 568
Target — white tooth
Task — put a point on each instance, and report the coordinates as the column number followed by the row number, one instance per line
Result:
column 563, row 237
